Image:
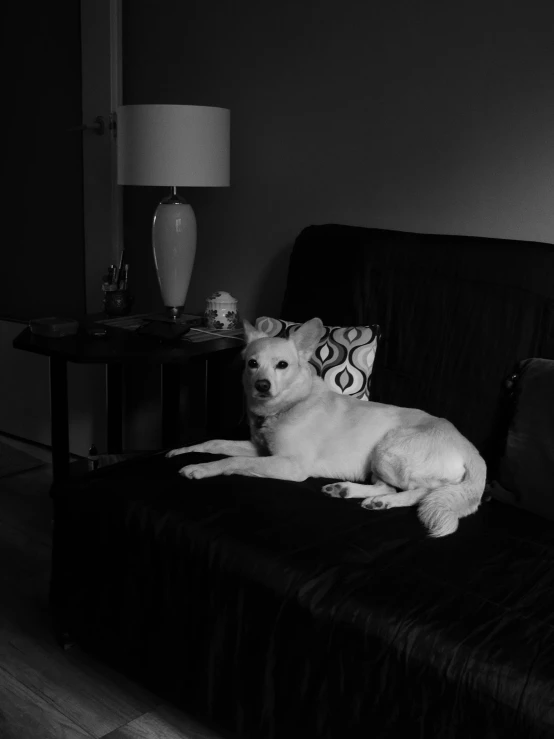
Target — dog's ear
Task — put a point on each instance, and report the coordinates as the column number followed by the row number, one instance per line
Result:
column 251, row 333
column 306, row 338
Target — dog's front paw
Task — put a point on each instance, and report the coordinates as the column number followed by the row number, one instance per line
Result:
column 194, row 471
column 175, row 452
column 375, row 504
column 336, row 489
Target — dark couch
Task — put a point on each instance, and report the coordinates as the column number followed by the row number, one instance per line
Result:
column 273, row 611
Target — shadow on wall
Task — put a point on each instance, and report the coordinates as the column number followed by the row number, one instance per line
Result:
column 271, row 285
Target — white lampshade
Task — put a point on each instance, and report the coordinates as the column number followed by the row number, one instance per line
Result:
column 173, row 145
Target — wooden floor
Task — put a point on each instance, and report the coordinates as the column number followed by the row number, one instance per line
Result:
column 45, row 692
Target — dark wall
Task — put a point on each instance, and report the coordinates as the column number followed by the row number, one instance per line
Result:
column 43, row 242
column 434, row 117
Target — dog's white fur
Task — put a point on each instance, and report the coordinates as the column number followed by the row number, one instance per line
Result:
column 300, row 428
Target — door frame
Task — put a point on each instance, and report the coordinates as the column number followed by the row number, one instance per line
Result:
column 101, row 51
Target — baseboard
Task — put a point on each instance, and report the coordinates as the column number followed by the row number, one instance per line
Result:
column 42, row 451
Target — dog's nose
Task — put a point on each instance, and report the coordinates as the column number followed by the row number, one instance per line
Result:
column 262, row 386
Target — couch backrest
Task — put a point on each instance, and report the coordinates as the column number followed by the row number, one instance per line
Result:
column 457, row 313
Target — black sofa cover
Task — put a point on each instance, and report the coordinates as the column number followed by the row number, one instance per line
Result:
column 273, row 611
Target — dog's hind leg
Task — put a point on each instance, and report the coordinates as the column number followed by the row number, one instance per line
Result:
column 357, row 490
column 397, row 500
column 219, row 446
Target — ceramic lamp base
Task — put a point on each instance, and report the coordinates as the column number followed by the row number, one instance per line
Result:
column 174, row 248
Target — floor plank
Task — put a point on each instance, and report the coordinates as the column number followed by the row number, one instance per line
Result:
column 83, row 690
column 163, row 723
column 25, row 715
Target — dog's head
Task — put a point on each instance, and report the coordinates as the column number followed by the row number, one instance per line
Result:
column 276, row 368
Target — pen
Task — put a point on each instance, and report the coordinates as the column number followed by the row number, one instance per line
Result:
column 120, row 268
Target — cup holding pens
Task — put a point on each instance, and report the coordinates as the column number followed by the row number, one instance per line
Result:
column 117, row 302
column 117, row 299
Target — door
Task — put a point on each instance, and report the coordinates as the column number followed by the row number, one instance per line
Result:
column 45, row 251
column 62, row 210
column 60, row 219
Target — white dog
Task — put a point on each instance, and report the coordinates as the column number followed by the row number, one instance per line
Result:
column 300, row 428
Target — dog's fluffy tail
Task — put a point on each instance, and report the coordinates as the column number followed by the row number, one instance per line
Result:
column 441, row 509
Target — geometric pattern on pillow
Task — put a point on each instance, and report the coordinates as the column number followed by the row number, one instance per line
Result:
column 343, row 358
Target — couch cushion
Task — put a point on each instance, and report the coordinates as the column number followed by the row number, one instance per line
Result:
column 526, row 472
column 344, row 356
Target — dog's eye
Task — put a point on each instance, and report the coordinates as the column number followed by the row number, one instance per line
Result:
column 252, row 363
column 282, row 365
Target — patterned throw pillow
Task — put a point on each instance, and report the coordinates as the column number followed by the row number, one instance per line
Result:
column 343, row 358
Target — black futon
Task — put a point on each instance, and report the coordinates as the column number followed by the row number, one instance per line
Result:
column 272, row 611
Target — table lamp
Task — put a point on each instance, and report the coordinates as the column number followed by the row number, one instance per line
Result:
column 173, row 146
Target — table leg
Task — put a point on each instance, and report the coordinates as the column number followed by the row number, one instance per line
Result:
column 59, row 417
column 114, row 407
column 217, row 397
column 170, row 378
column 213, row 401
column 223, row 396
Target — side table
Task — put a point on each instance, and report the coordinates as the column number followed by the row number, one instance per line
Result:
column 117, row 348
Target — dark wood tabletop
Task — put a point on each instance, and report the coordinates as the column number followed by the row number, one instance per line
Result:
column 119, row 345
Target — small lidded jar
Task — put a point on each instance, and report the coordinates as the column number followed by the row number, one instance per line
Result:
column 221, row 312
